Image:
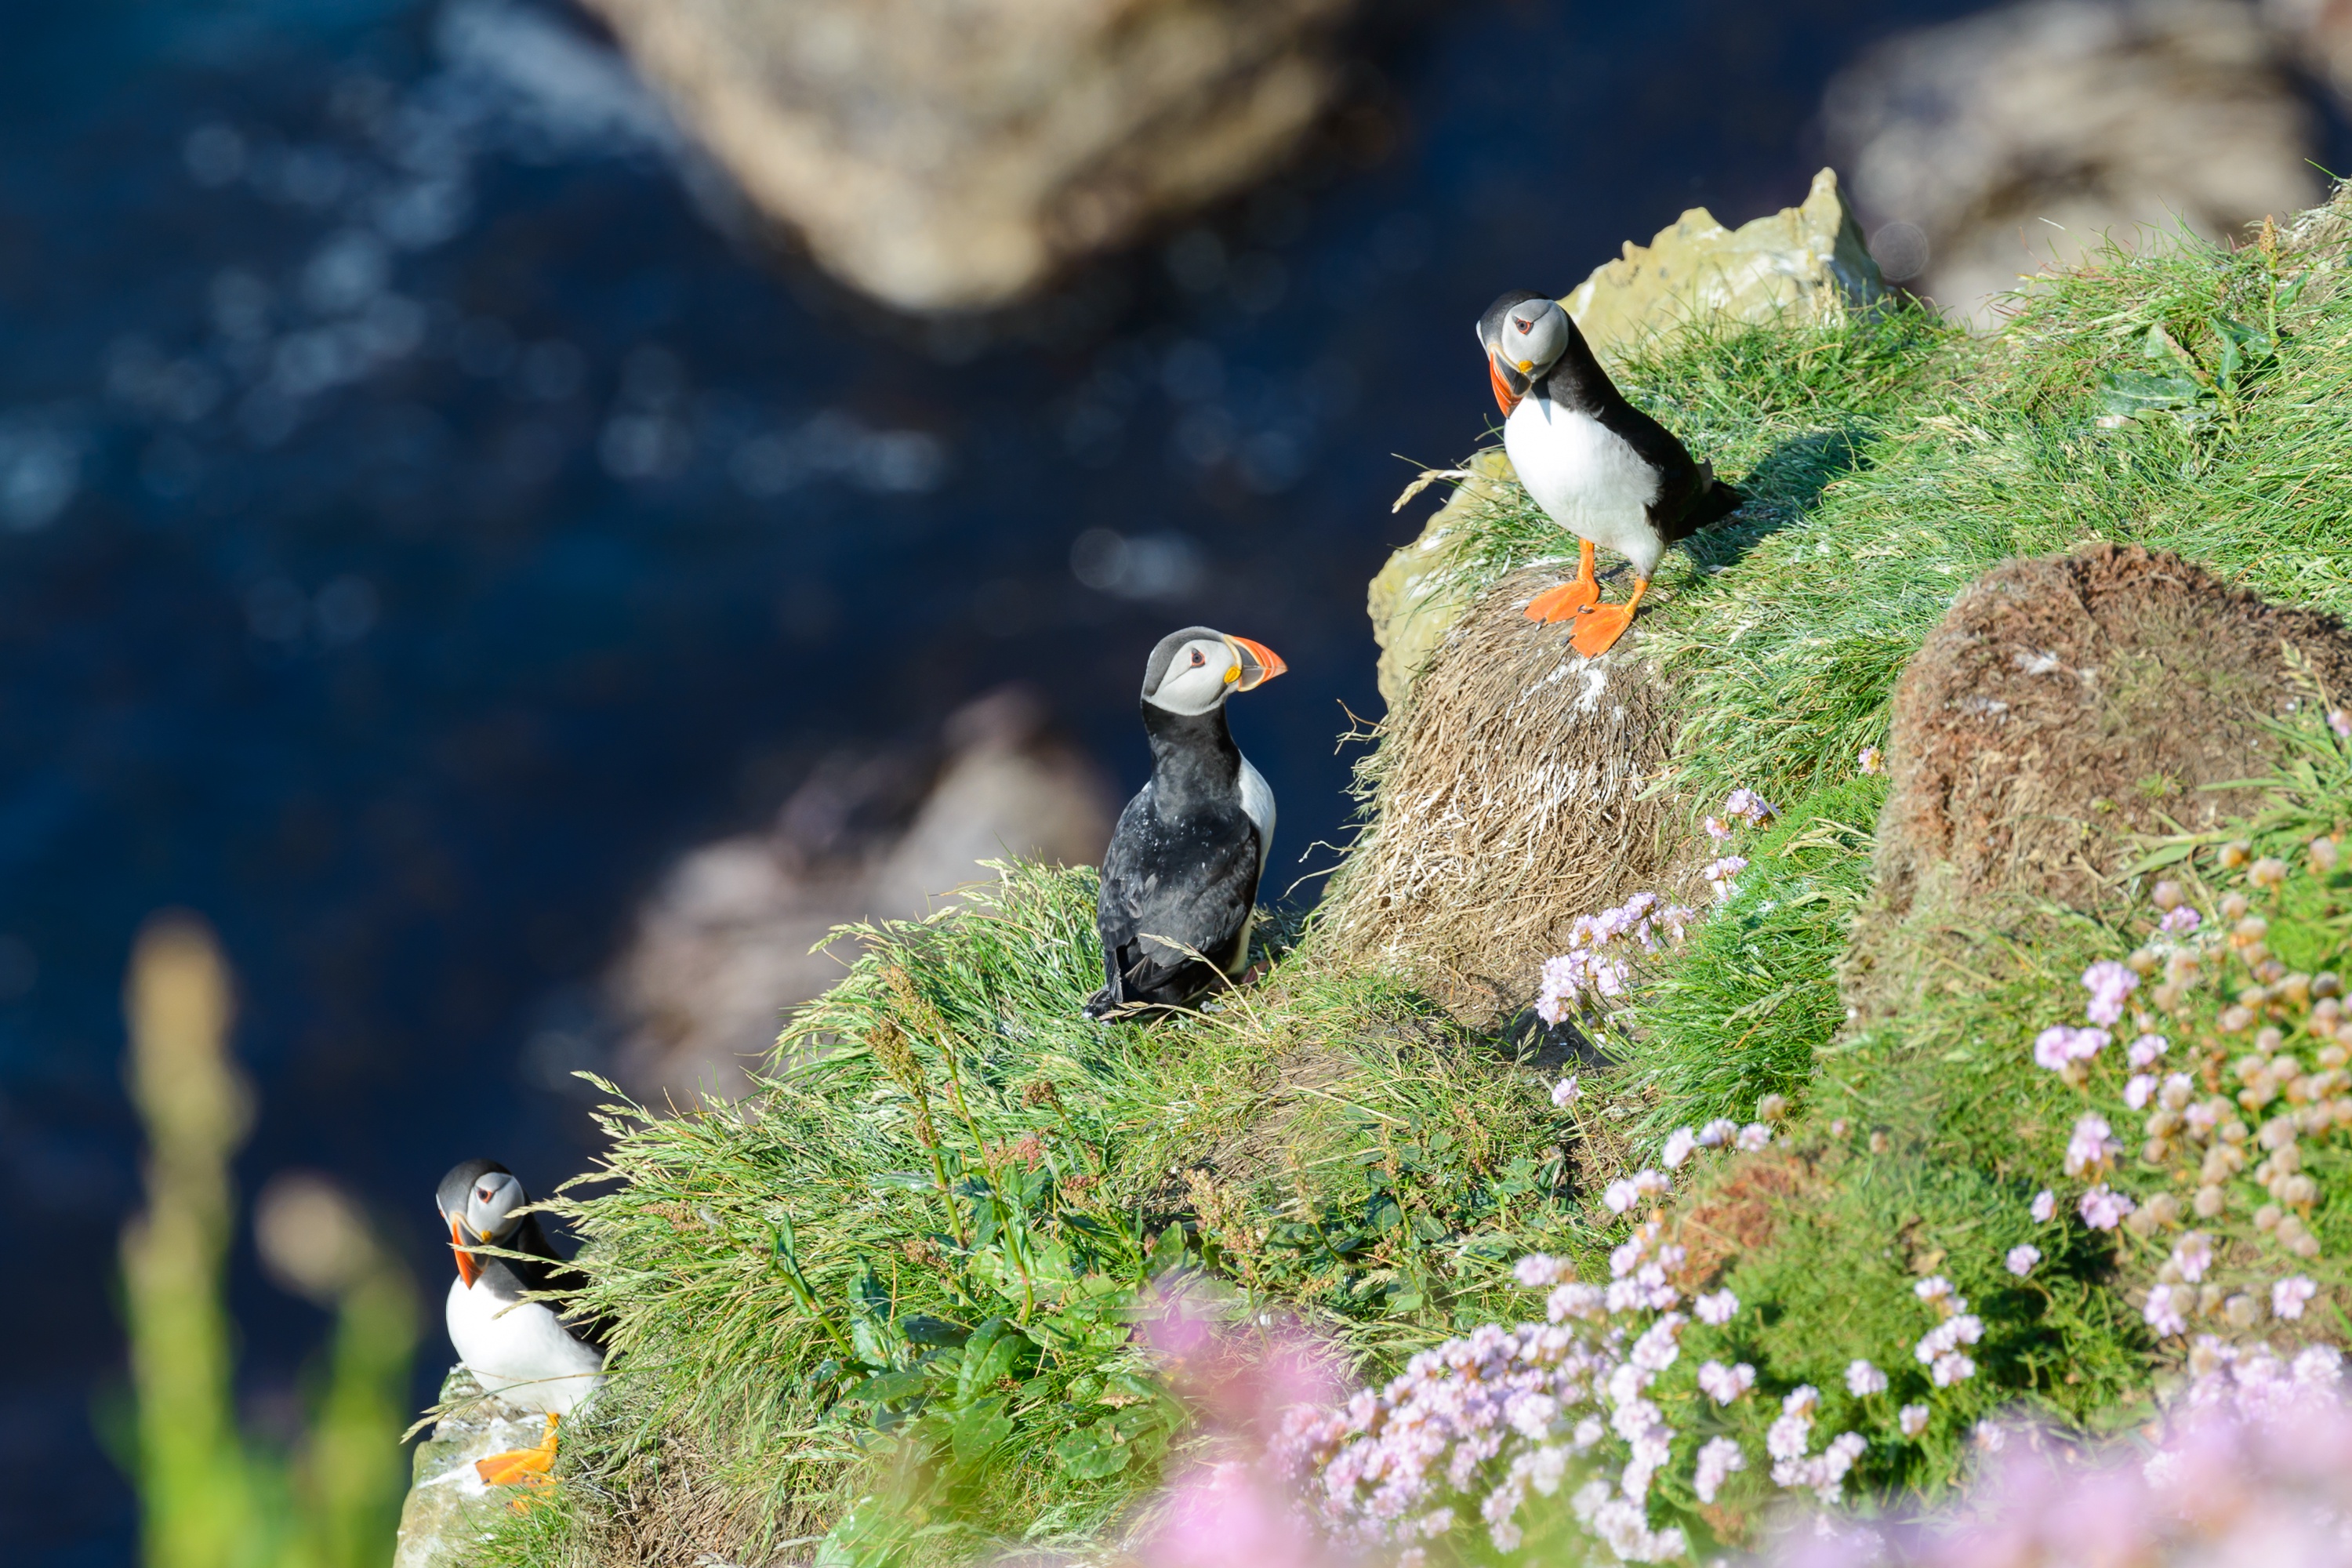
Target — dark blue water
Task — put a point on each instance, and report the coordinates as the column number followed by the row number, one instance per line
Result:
column 424, row 510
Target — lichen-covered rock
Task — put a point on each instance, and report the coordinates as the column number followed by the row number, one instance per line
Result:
column 441, row 1515
column 952, row 155
column 1805, row 263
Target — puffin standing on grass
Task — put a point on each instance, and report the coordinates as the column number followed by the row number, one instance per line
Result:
column 1598, row 465
column 1179, row 878
column 520, row 1350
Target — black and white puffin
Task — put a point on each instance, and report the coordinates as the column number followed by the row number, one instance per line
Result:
column 523, row 1352
column 1179, row 878
column 1598, row 465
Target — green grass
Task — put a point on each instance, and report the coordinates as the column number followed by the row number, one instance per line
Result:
column 888, row 1300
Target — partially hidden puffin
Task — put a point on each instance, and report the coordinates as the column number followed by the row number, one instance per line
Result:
column 1179, row 878
column 1598, row 465
column 523, row 1352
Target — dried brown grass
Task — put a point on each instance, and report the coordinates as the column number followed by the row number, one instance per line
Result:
column 1514, row 792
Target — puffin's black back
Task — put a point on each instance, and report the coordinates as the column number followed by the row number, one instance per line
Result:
column 1182, row 867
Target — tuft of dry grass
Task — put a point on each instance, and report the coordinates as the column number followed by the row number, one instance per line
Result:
column 1517, row 795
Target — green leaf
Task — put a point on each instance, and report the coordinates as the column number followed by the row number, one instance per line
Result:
column 979, row 1427
column 1091, row 1453
column 2129, row 393
column 995, row 1352
column 890, row 1387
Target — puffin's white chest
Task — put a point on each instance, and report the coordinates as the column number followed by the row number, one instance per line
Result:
column 521, row 1353
column 1257, row 804
column 1586, row 477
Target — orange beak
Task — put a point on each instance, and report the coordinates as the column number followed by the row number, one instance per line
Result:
column 1260, row 664
column 467, row 1270
column 1504, row 395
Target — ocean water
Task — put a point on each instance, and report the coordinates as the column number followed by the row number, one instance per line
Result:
column 427, row 504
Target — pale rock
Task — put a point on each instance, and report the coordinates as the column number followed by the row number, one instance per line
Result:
column 953, row 154
column 448, row 1509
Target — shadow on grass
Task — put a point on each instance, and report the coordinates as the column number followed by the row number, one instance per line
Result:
column 1781, row 489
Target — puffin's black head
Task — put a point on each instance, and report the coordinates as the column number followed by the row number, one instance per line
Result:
column 479, row 1199
column 1194, row 670
column 1524, row 335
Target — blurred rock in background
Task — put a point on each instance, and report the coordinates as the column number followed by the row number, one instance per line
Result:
column 1988, row 148
column 2321, row 33
column 722, row 946
column 953, row 154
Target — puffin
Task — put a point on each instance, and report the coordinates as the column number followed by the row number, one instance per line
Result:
column 1179, row 878
column 1598, row 465
column 524, row 1352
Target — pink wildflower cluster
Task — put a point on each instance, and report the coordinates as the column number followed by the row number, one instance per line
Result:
column 2109, row 984
column 1720, row 875
column 2061, row 1046
column 1789, row 1437
column 1601, row 952
column 1749, row 806
column 2093, row 1147
column 2255, row 1467
column 1490, row 1417
column 1939, row 1349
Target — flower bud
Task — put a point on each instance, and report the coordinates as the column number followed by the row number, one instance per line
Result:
column 2209, row 1202
column 2326, row 983
column 1772, row 1107
column 2267, row 1218
column 2235, row 906
column 2164, row 1208
column 2167, row 896
column 2235, row 1020
column 2323, row 856
column 2242, row 1310
column 2235, row 854
column 2267, row 872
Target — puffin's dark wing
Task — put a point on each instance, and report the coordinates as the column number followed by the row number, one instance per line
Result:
column 1190, row 884
column 548, row 1270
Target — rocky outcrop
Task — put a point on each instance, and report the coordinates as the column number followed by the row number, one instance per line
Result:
column 953, row 154
column 442, row 1517
column 1991, row 148
column 2064, row 706
column 1805, row 263
column 723, row 948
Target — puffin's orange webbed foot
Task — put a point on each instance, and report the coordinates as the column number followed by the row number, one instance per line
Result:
column 1561, row 603
column 1598, row 628
column 520, row 1466
column 1564, row 603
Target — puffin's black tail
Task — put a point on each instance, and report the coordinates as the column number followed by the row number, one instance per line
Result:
column 1714, row 504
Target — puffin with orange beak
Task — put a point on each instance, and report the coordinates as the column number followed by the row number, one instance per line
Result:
column 1598, row 465
column 1179, row 878
column 521, row 1351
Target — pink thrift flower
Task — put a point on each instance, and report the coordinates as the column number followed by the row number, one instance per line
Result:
column 1863, row 1380
column 1718, row 1458
column 1717, row 829
column 2108, row 983
column 1912, row 1419
column 2163, row 1310
column 1564, row 1092
column 2137, row 1091
column 1753, row 1137
column 2289, row 1295
column 1679, row 1144
column 2341, row 722
column 2023, row 1258
column 2045, row 1204
column 2103, row 1209
column 1717, row 1309
column 1725, row 1384
column 1748, row 804
column 2094, row 1145
column 1872, row 760
column 2145, row 1049
column 2180, row 922
column 1537, row 1270
column 2192, row 1255
column 1718, row 1132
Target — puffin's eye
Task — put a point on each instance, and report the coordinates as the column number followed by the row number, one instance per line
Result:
column 1523, row 326
column 1197, row 659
